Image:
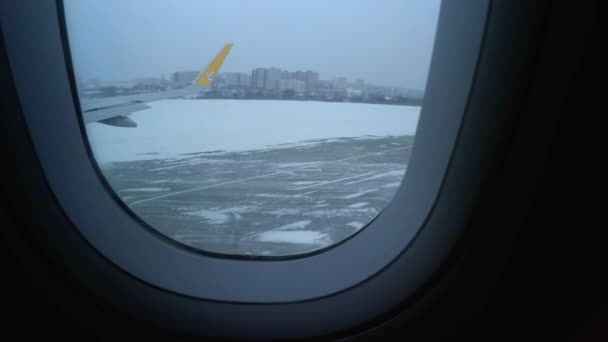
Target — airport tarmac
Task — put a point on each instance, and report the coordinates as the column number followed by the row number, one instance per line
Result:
column 278, row 201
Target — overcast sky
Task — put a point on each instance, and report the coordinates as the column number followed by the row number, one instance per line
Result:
column 385, row 42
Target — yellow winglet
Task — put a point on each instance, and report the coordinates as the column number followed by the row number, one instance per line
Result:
column 207, row 77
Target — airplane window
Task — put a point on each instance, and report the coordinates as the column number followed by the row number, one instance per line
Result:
column 261, row 128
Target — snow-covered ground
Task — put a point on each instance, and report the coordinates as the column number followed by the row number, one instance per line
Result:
column 258, row 177
column 175, row 127
column 279, row 201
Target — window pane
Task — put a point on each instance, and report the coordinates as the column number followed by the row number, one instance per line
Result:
column 262, row 128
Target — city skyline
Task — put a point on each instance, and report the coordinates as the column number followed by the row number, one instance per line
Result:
column 265, row 83
column 167, row 76
column 386, row 43
column 184, row 77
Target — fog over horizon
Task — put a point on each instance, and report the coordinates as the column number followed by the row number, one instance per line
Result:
column 386, row 42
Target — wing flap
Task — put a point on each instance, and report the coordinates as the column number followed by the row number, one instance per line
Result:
column 109, row 112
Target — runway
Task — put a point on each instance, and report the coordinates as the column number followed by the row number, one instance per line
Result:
column 278, row 201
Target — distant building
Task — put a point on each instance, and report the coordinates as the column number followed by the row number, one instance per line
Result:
column 244, row 80
column 312, row 80
column 298, row 75
column 339, row 82
column 351, row 92
column 273, row 75
column 295, row 85
column 258, row 78
column 231, row 79
column 332, row 94
column 235, row 79
column 267, row 79
column 183, row 78
column 324, row 84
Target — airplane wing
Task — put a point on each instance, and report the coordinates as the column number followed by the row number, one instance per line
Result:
column 114, row 110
